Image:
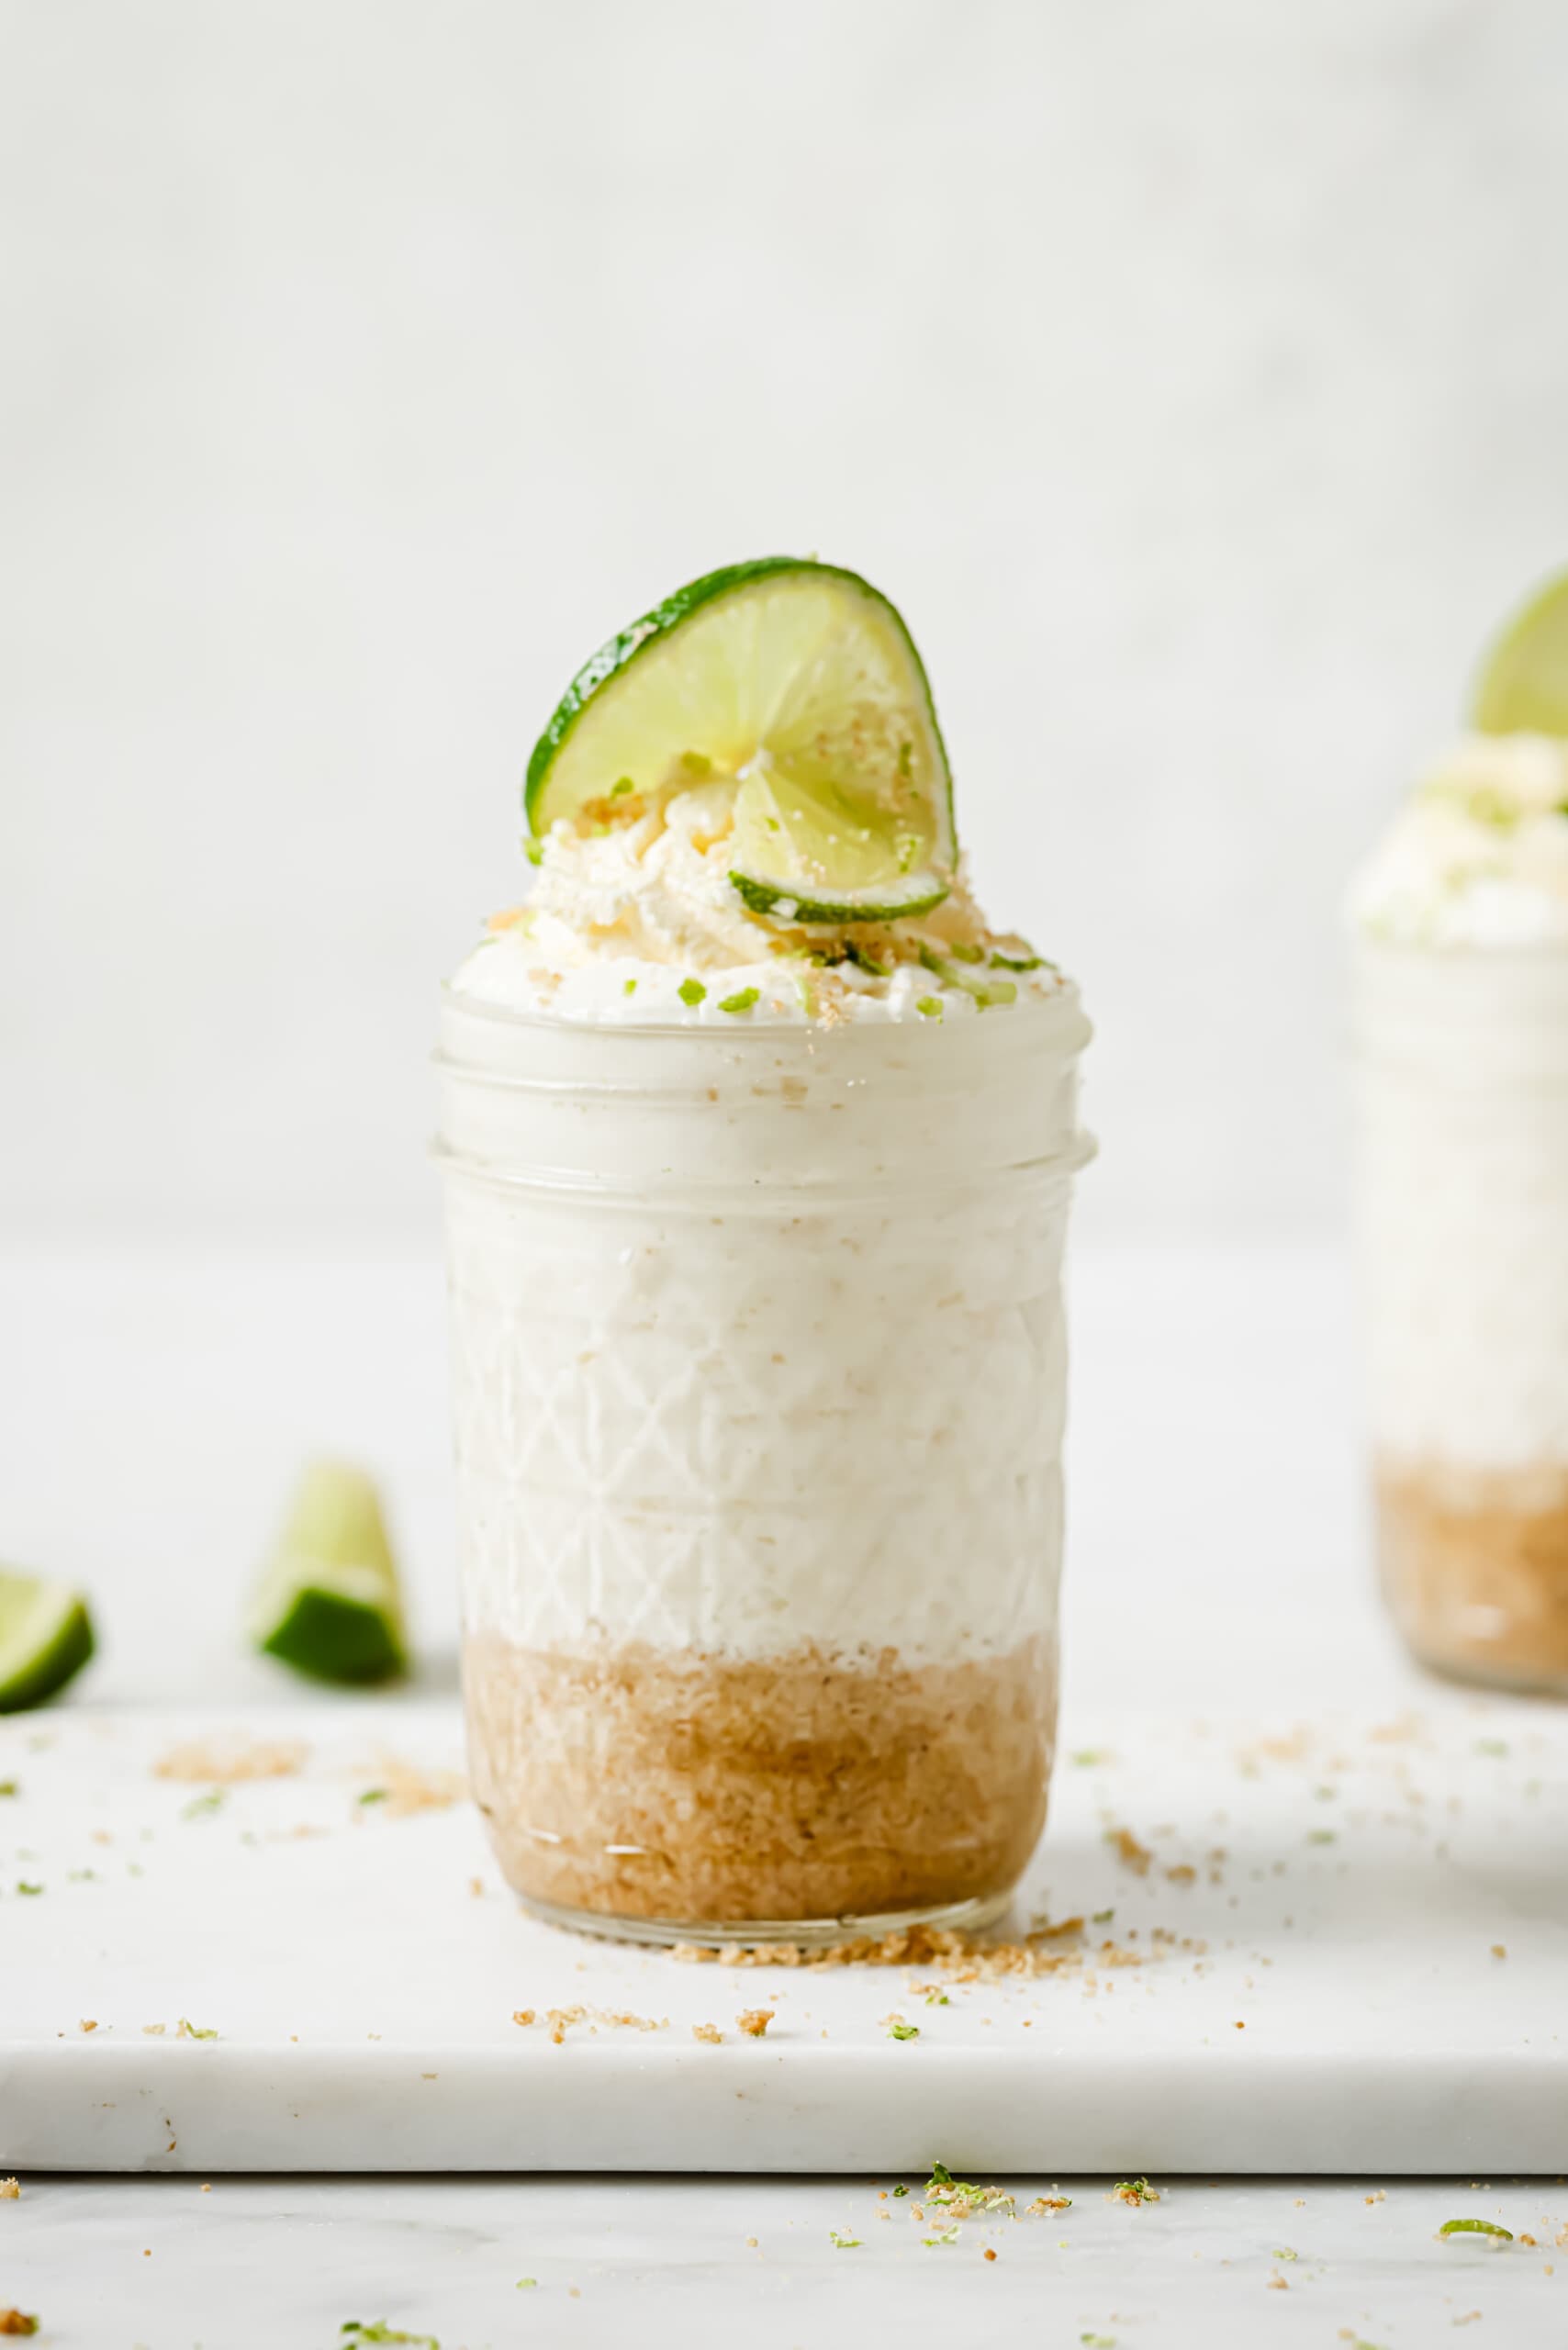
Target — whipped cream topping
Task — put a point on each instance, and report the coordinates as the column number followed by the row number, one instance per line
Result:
column 637, row 921
column 1478, row 855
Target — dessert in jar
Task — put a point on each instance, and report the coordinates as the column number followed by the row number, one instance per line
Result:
column 758, row 1145
column 1460, row 1016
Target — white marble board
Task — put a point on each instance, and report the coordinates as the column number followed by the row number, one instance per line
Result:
column 1352, row 1941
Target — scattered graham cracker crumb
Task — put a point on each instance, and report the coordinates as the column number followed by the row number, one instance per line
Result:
column 708, row 2032
column 207, row 2186
column 1278, row 2284
column 412, row 1788
column 1133, row 1855
column 88, row 2023
column 1529, row 2240
column 228, row 1763
column 1499, row 1949
column 153, row 2031
column 476, row 1887
column 1183, row 1873
column 754, row 2021
column 964, row 1958
column 10, row 2190
column 1379, row 2197
column 989, row 2254
column 751, row 2243
column 523, row 2015
column 13, row 2321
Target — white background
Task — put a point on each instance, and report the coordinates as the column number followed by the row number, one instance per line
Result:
column 1194, row 377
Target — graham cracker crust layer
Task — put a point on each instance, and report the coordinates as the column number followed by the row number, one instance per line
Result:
column 638, row 1784
column 1475, row 1565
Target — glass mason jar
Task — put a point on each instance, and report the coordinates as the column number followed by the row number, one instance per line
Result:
column 1463, row 1079
column 759, row 1375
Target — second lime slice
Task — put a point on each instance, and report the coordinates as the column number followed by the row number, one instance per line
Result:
column 799, row 682
column 1523, row 688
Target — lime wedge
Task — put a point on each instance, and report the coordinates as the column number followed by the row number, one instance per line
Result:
column 46, row 1636
column 329, row 1603
column 1523, row 686
column 799, row 682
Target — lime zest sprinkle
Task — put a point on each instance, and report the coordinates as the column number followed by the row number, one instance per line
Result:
column 372, row 1794
column 999, row 992
column 692, row 992
column 1475, row 2228
column 533, row 850
column 7, row 1787
column 619, row 790
column 1134, row 2191
column 966, row 954
column 523, row 2282
column 696, row 763
column 741, row 1000
column 1321, row 1835
column 845, row 2244
column 1491, row 1746
column 929, row 1007
column 1001, row 962
column 904, row 2031
column 186, row 2030
column 202, row 1806
column 353, row 2334
column 937, row 1999
column 629, row 987
column 23, row 1887
column 1102, row 1917
column 943, row 2236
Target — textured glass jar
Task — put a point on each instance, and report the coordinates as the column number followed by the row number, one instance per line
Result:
column 1463, row 1208
column 758, row 1386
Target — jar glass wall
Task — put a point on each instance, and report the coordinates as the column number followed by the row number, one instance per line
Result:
column 759, row 1383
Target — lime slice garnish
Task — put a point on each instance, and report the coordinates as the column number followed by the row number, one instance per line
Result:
column 1523, row 686
column 329, row 1603
column 798, row 682
column 46, row 1636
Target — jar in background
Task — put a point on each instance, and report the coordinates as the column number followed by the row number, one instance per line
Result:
column 1462, row 1082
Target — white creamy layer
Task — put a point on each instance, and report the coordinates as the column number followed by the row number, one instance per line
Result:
column 1478, row 855
column 638, row 924
column 797, row 1375
column 1463, row 1201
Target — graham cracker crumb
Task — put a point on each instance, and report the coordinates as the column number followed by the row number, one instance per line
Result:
column 409, row 1787
column 523, row 2015
column 1133, row 1855
column 989, row 2254
column 153, row 2031
column 13, row 2321
column 10, row 2190
column 88, row 2023
column 754, row 2021
column 708, row 2032
column 1499, row 1949
column 225, row 1763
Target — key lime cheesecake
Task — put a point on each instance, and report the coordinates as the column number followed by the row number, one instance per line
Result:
column 1459, row 923
column 758, row 1145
